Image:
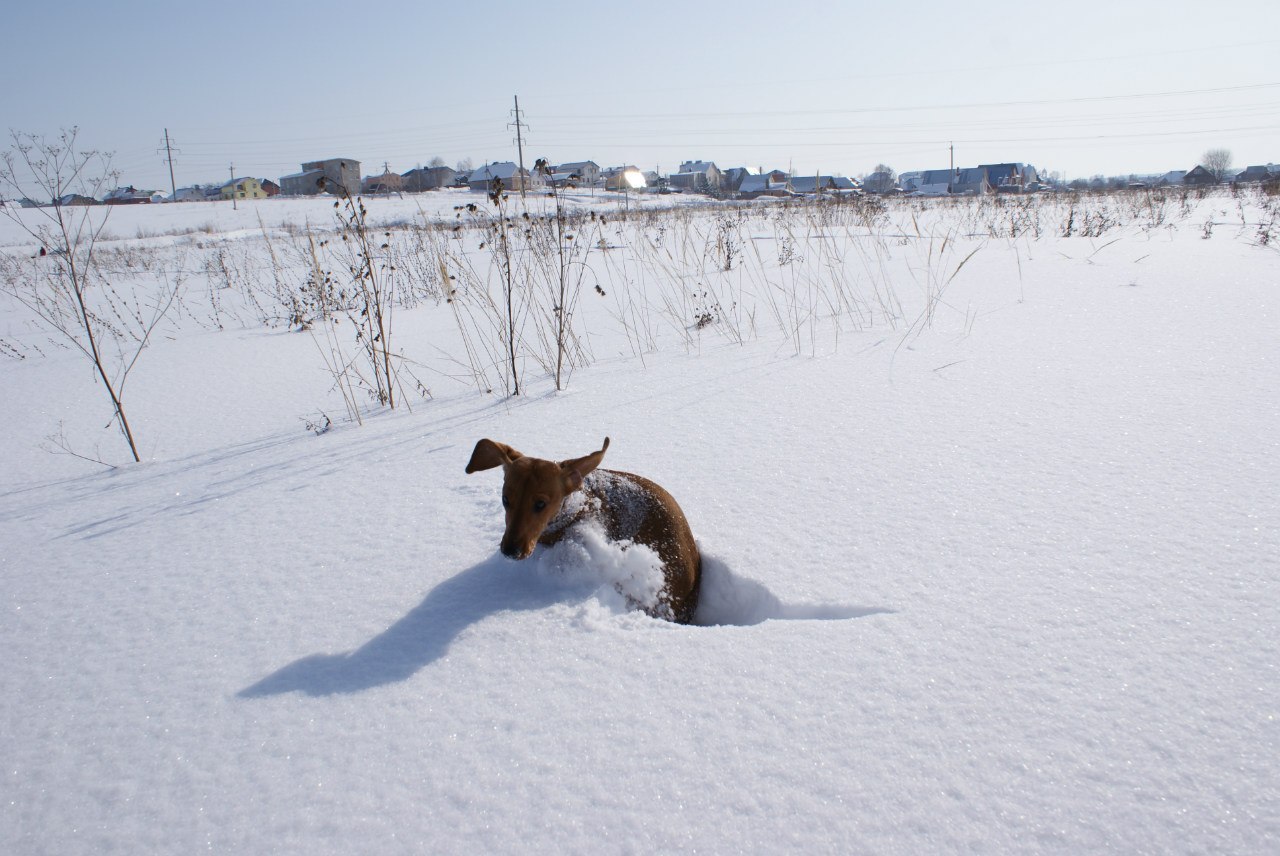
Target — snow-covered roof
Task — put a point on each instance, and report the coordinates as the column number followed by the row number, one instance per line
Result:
column 129, row 192
column 810, row 183
column 502, row 169
column 702, row 167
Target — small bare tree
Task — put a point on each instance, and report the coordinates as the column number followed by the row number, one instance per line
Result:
column 355, row 279
column 65, row 287
column 503, row 255
column 560, row 261
column 1217, row 162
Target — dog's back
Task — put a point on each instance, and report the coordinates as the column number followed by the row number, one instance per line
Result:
column 632, row 508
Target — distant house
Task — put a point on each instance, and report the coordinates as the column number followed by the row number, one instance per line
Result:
column 511, row 176
column 751, row 186
column 242, row 188
column 1199, row 177
column 335, row 175
column 696, row 177
column 819, row 184
column 971, row 181
column 309, row 182
column 127, row 196
column 387, row 182
column 1258, row 173
column 1172, row 178
column 880, row 182
column 773, row 183
column 934, row 182
column 624, row 178
column 189, row 194
column 731, row 179
column 587, row 172
column 69, row 199
column 1010, row 177
column 429, row 178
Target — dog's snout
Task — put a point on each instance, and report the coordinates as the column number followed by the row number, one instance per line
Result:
column 512, row 550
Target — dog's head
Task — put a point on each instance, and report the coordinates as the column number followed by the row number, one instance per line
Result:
column 532, row 489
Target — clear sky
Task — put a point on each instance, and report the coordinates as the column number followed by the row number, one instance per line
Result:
column 1079, row 88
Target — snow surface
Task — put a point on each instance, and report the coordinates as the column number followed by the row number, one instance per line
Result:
column 1005, row 583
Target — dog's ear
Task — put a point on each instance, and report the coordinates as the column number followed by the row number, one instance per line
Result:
column 576, row 470
column 488, row 454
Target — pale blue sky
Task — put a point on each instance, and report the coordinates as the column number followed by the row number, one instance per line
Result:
column 1082, row 88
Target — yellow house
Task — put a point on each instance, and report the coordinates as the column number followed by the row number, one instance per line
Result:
column 243, row 188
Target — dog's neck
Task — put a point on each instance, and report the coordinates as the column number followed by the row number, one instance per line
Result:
column 575, row 507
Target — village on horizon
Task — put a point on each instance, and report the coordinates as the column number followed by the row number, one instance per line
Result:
column 342, row 176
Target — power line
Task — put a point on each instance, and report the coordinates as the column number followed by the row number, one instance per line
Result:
column 959, row 106
column 943, row 140
column 753, row 84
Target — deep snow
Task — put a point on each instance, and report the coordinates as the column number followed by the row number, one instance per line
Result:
column 1004, row 584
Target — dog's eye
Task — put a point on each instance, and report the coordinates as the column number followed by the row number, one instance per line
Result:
column 506, row 503
column 539, row 505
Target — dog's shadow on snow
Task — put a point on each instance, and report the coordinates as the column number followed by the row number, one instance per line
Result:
column 497, row 585
column 421, row 637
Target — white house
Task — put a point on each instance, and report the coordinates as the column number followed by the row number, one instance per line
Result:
column 588, row 172
column 511, row 176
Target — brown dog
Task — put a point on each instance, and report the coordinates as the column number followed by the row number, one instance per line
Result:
column 630, row 508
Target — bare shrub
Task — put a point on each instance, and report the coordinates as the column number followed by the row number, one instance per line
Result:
column 65, row 287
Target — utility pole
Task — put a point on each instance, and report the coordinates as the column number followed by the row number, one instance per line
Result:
column 234, row 206
column 519, row 126
column 173, row 184
column 953, row 157
column 168, row 156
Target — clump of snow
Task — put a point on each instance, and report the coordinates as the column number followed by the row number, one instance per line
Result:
column 626, row 575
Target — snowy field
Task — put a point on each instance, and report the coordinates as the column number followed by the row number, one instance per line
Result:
column 988, row 513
